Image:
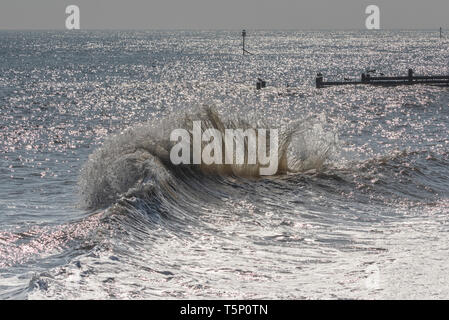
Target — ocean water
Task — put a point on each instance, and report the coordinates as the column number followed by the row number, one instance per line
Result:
column 90, row 207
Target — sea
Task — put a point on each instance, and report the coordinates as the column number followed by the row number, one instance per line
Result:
column 92, row 208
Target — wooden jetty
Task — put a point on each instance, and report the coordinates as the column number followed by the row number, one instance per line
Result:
column 369, row 79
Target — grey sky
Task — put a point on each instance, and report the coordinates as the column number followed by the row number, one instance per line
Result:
column 224, row 14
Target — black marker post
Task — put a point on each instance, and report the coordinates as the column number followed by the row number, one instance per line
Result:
column 244, row 35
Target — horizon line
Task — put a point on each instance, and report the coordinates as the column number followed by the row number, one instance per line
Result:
column 224, row 29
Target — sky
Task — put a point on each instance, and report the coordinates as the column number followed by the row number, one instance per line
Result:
column 224, row 14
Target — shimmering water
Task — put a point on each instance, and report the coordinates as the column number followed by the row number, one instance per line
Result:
column 360, row 213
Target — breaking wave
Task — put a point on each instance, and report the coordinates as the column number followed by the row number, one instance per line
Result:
column 138, row 159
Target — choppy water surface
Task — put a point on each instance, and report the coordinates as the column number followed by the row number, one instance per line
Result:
column 90, row 208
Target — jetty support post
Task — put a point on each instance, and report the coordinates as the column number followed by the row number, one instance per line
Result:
column 410, row 75
column 319, row 80
column 366, row 77
column 260, row 84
